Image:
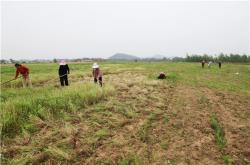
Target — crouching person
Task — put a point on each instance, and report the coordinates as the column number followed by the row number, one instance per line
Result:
column 63, row 73
column 97, row 74
column 24, row 71
column 162, row 75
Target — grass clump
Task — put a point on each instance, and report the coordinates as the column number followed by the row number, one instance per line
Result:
column 218, row 131
column 228, row 160
column 130, row 160
column 102, row 133
column 126, row 110
column 165, row 119
column 172, row 77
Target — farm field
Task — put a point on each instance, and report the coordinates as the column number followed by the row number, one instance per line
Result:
column 195, row 116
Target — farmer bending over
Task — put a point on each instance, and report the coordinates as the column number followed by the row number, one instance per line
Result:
column 97, row 74
column 24, row 71
column 162, row 76
column 63, row 73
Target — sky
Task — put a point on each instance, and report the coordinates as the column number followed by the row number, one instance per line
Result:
column 99, row 29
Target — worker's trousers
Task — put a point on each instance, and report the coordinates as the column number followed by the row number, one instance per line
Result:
column 26, row 81
column 64, row 80
column 98, row 78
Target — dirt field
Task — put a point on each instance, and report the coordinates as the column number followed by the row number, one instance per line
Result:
column 145, row 121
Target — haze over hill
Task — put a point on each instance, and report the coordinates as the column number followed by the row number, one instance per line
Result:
column 158, row 56
column 123, row 56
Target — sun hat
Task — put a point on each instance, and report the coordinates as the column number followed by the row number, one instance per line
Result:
column 62, row 62
column 95, row 65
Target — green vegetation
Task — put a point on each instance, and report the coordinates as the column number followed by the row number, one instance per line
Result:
column 166, row 119
column 220, row 138
column 102, row 133
column 218, row 131
column 228, row 160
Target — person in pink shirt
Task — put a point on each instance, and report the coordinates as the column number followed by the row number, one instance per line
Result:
column 97, row 74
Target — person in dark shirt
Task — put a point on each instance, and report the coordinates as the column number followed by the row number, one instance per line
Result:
column 219, row 64
column 203, row 64
column 63, row 72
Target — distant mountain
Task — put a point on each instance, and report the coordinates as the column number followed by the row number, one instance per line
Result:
column 123, row 56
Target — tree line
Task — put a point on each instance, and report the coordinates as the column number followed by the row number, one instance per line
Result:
column 237, row 58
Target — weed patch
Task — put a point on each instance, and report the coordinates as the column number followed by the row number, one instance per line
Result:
column 166, row 119
column 102, row 134
column 228, row 160
column 218, row 131
column 132, row 159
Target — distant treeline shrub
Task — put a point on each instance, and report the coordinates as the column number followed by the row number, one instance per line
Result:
column 222, row 57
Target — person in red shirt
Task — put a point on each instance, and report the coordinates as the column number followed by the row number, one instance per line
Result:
column 24, row 71
column 97, row 74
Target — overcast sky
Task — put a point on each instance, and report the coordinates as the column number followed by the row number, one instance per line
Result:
column 54, row 29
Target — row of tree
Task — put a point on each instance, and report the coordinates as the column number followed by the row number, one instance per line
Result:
column 222, row 57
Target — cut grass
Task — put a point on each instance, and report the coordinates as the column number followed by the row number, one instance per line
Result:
column 144, row 131
column 58, row 154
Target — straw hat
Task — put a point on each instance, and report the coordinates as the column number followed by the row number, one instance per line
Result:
column 62, row 62
column 95, row 65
